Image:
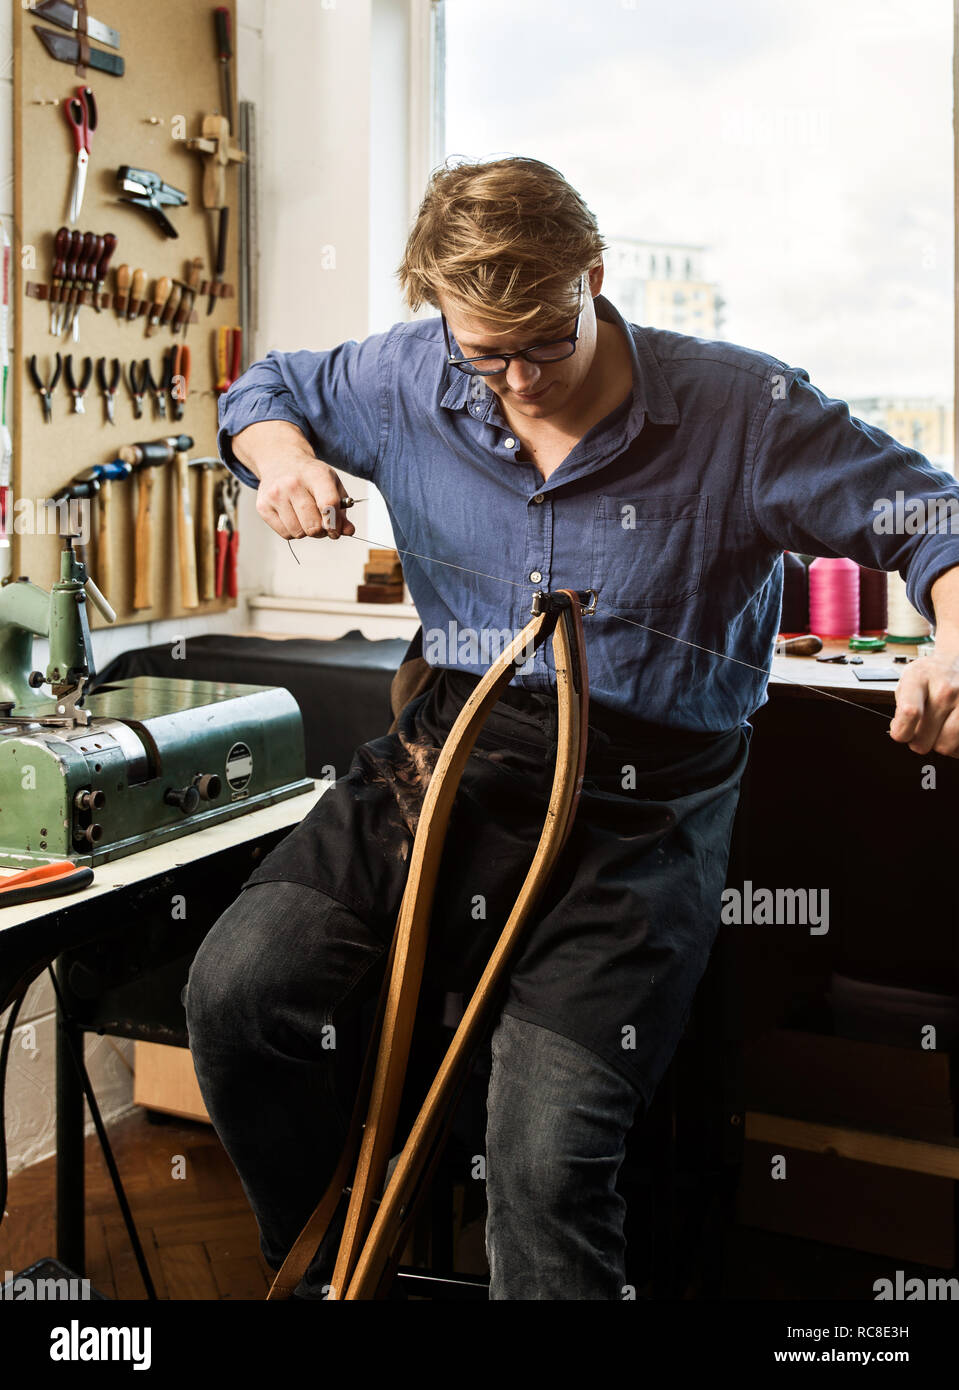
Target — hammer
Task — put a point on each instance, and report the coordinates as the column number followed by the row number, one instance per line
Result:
column 105, row 474
column 145, row 457
column 207, row 525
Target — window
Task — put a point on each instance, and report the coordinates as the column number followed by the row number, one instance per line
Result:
column 803, row 153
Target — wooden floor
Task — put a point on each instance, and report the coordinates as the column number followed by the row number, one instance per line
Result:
column 198, row 1233
column 201, row 1241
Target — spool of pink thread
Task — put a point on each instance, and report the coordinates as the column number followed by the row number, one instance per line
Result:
column 833, row 597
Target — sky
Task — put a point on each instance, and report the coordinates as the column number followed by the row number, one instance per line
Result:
column 809, row 147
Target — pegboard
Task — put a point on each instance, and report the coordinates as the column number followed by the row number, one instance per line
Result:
column 172, row 79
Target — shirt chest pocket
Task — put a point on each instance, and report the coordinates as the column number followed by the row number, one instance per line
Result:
column 648, row 551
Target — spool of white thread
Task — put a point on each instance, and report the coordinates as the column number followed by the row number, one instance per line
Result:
column 905, row 623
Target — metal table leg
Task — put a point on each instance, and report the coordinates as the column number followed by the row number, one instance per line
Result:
column 70, row 1175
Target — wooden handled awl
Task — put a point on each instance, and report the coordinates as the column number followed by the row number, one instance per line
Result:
column 144, row 457
column 207, row 547
column 799, row 646
column 186, row 537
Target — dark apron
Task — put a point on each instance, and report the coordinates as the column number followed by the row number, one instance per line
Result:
column 622, row 934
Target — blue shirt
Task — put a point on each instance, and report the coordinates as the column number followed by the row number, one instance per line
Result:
column 675, row 508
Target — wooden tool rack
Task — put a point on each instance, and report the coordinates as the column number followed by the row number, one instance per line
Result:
column 172, row 80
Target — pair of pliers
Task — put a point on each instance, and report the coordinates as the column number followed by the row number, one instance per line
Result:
column 108, row 390
column 46, row 389
column 46, row 881
column 157, row 390
column 227, row 538
column 78, row 391
column 138, row 388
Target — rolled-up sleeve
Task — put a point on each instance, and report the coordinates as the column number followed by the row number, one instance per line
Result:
column 821, row 482
column 337, row 398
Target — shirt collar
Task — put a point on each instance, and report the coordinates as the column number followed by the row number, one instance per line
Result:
column 651, row 400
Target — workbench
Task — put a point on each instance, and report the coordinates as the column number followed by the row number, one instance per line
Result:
column 122, row 954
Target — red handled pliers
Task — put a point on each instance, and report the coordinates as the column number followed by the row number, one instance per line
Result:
column 227, row 538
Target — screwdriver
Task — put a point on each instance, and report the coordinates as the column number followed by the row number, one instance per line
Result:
column 172, row 304
column 124, row 276
column 61, row 245
column 189, row 285
column 89, row 256
column 103, row 265
column 137, row 291
column 69, row 275
column 179, row 379
column 220, row 257
column 161, row 294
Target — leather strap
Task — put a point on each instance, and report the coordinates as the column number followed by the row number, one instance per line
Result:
column 366, row 1249
column 83, row 51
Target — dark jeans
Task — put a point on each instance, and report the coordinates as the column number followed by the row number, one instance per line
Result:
column 273, row 981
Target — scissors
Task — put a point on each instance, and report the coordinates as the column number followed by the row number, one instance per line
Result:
column 81, row 114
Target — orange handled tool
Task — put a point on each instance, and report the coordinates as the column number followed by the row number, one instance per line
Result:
column 180, row 385
column 229, row 351
column 227, row 539
column 47, row 881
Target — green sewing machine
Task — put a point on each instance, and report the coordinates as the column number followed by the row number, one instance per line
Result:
column 97, row 775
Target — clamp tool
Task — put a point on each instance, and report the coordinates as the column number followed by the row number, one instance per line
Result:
column 227, row 538
column 145, row 189
column 108, row 390
column 46, row 389
column 77, row 392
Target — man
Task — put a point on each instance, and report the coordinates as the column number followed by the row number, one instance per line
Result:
column 526, row 439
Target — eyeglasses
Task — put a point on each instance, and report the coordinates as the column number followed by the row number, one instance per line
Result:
column 554, row 351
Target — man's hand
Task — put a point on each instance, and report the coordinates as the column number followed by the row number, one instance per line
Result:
column 295, row 486
column 927, row 704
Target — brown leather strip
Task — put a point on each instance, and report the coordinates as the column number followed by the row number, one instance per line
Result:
column 83, row 60
column 388, row 1227
column 369, row 1255
column 412, row 931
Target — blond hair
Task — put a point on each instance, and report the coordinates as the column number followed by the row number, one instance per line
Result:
column 505, row 240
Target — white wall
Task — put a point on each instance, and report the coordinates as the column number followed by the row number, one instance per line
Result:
column 335, row 140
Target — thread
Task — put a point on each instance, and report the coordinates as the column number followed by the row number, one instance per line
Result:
column 873, row 605
column 794, row 619
column 833, row 597
column 905, row 623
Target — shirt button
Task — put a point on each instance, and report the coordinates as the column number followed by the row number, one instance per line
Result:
column 510, row 443
column 535, row 576
column 538, row 498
